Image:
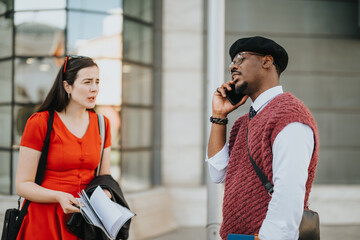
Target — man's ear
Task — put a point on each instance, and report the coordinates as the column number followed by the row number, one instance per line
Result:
column 67, row 86
column 268, row 61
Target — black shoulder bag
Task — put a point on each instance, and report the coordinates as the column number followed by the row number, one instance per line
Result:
column 14, row 217
column 309, row 227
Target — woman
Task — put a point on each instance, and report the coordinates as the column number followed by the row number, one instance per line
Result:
column 74, row 151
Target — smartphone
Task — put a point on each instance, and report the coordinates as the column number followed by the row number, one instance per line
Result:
column 235, row 96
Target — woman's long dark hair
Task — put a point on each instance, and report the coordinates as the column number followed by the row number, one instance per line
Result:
column 57, row 98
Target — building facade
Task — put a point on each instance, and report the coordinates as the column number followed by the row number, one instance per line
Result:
column 152, row 58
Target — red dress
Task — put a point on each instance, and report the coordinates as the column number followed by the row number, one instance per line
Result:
column 70, row 167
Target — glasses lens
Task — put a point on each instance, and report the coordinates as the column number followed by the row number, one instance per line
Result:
column 239, row 59
column 232, row 63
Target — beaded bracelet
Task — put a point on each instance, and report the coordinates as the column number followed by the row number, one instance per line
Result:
column 221, row 121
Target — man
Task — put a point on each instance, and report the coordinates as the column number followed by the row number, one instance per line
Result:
column 282, row 139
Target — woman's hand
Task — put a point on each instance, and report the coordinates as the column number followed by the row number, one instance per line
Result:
column 107, row 193
column 67, row 202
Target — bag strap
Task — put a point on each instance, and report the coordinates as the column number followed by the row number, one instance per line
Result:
column 44, row 152
column 41, row 166
column 265, row 181
column 101, row 122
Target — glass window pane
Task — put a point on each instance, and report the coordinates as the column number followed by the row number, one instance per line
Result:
column 5, row 172
column 96, row 5
column 6, row 36
column 137, row 84
column 136, row 170
column 34, row 78
column 22, row 113
column 138, row 42
column 5, row 81
column 39, row 4
column 40, row 33
column 110, row 82
column 113, row 115
column 142, row 9
column 6, row 5
column 94, row 34
column 97, row 47
column 136, row 128
column 5, row 126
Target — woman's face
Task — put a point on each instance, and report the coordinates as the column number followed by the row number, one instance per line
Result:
column 85, row 88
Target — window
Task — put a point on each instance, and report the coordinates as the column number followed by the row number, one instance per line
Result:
column 137, row 113
column 37, row 34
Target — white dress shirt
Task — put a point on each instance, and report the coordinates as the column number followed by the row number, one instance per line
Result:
column 292, row 151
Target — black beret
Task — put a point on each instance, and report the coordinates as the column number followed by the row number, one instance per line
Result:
column 261, row 45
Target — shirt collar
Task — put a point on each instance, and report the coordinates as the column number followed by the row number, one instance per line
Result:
column 264, row 98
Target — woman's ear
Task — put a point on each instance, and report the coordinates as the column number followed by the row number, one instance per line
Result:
column 67, row 86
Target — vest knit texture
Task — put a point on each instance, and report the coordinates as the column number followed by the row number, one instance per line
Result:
column 246, row 199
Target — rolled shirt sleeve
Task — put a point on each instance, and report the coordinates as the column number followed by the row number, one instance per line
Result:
column 218, row 164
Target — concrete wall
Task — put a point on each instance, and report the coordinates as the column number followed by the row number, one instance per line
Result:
column 182, row 109
column 182, row 92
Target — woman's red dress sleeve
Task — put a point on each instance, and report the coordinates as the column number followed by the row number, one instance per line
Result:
column 35, row 131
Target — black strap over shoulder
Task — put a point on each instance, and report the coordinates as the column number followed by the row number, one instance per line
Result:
column 41, row 166
column 43, row 158
column 267, row 184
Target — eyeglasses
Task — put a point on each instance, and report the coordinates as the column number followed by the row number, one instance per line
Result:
column 69, row 57
column 240, row 58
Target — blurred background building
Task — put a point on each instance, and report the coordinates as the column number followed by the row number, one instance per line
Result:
column 152, row 58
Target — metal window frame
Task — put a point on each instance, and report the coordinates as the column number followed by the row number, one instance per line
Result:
column 155, row 107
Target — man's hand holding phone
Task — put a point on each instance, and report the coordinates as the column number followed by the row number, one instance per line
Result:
column 226, row 99
column 221, row 107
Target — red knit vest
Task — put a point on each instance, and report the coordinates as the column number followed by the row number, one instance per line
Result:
column 245, row 198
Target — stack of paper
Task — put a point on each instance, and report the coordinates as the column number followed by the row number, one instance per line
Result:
column 101, row 212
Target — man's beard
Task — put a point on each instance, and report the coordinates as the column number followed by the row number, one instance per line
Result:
column 240, row 89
